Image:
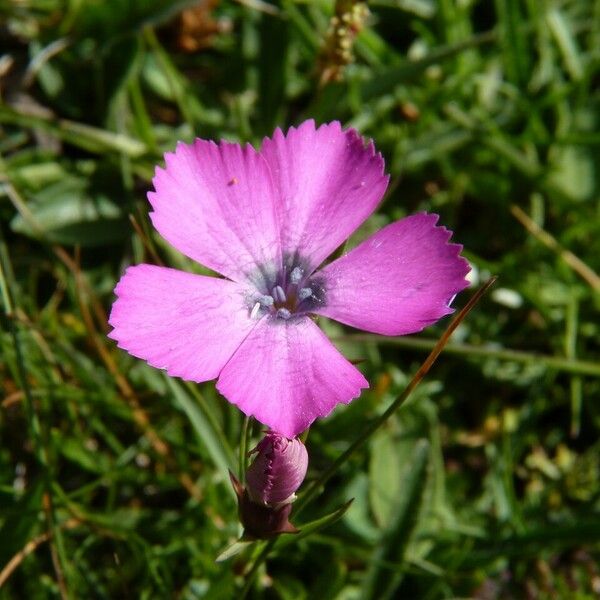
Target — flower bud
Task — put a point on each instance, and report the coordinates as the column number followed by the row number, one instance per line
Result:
column 277, row 471
column 263, row 522
column 265, row 504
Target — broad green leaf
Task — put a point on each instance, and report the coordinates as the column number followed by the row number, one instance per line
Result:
column 208, row 437
column 70, row 211
column 307, row 529
column 92, row 461
column 385, row 569
column 233, row 550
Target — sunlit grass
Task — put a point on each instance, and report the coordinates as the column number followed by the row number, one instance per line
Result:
column 113, row 478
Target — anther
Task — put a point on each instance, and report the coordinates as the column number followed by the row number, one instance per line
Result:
column 304, row 293
column 266, row 300
column 279, row 294
column 255, row 310
column 284, row 313
column 296, row 275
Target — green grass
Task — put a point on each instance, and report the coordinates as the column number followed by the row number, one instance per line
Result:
column 113, row 478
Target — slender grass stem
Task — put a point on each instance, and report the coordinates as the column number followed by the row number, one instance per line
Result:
column 556, row 363
column 582, row 269
column 243, row 456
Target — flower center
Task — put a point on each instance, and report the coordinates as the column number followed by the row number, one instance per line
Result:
column 290, row 294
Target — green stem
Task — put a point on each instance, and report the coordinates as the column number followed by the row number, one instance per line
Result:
column 568, row 365
column 243, row 457
column 255, row 566
column 80, row 135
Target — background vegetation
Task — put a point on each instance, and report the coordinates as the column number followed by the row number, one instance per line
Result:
column 113, row 478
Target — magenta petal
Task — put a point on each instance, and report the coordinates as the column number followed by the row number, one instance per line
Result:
column 278, row 469
column 329, row 182
column 398, row 281
column 287, row 373
column 188, row 324
column 216, row 204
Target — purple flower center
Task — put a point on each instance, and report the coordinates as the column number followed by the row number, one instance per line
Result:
column 286, row 295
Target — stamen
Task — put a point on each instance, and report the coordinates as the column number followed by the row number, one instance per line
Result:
column 279, row 294
column 284, row 313
column 296, row 275
column 255, row 310
column 305, row 293
column 266, row 300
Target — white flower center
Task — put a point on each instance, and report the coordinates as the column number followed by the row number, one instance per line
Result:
column 292, row 294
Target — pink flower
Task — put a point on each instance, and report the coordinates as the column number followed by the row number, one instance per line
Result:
column 266, row 220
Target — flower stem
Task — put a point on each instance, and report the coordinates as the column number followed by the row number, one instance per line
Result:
column 255, row 566
column 243, row 455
